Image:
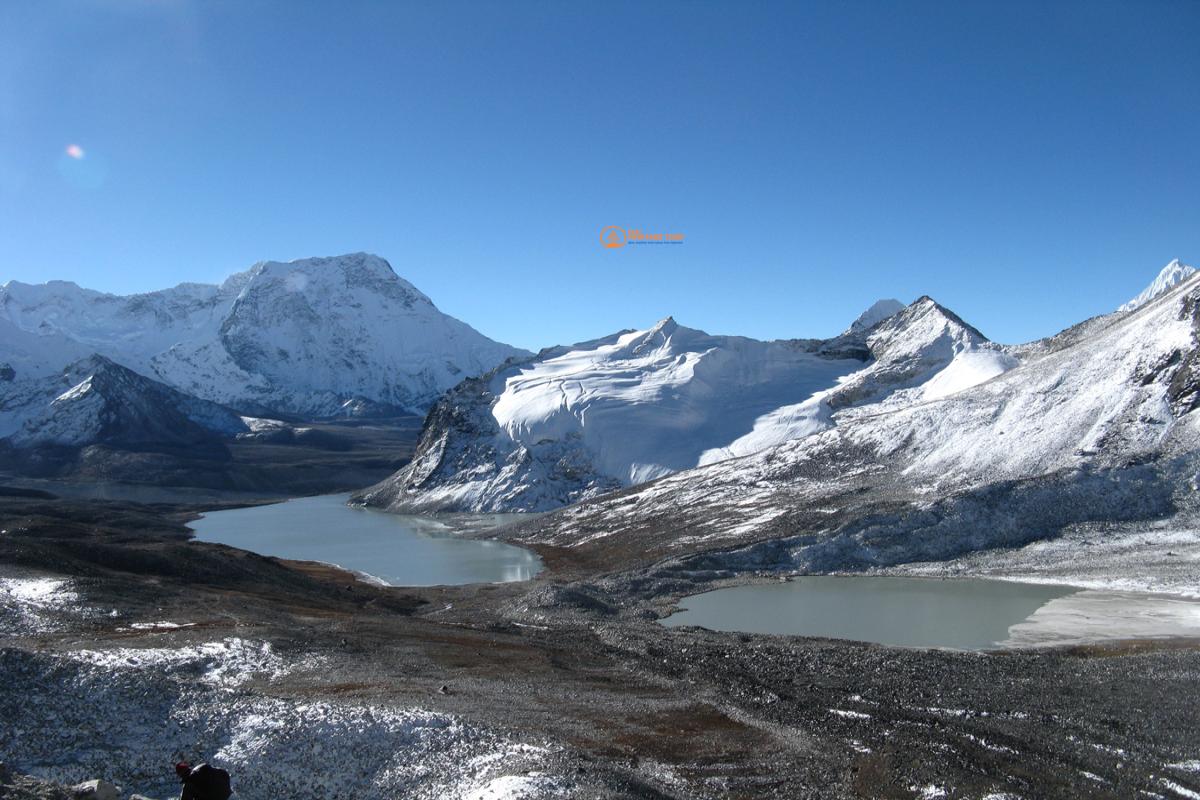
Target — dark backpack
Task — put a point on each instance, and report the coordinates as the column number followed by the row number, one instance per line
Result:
column 210, row 782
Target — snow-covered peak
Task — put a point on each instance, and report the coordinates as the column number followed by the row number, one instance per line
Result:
column 878, row 312
column 923, row 351
column 1168, row 278
column 299, row 337
column 924, row 327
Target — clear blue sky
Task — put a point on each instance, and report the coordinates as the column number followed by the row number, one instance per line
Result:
column 1028, row 164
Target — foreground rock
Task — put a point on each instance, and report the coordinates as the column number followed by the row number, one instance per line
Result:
column 14, row 786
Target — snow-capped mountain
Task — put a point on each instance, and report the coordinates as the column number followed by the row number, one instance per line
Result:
column 574, row 422
column 315, row 337
column 921, row 352
column 1097, row 423
column 1171, row 276
column 96, row 401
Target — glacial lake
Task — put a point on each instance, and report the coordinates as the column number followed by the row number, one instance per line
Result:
column 396, row 549
column 957, row 614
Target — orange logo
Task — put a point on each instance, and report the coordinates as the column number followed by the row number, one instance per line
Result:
column 615, row 236
column 612, row 237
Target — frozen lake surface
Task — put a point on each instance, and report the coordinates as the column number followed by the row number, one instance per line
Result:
column 397, row 549
column 959, row 614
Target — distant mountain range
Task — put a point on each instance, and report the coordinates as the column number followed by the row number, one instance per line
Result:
column 316, row 338
column 185, row 369
column 573, row 423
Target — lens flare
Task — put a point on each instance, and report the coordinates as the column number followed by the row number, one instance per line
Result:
column 81, row 169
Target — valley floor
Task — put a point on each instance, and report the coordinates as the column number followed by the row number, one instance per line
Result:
column 125, row 644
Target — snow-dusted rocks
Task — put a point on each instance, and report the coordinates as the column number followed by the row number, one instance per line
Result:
column 574, row 422
column 96, row 789
column 316, row 337
column 80, row 714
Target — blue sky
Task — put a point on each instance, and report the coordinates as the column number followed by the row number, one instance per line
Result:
column 1028, row 164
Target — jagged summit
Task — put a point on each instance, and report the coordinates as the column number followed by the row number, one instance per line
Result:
column 919, row 324
column 1168, row 278
column 665, row 325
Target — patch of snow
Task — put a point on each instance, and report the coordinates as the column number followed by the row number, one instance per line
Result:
column 931, row 792
column 75, row 392
column 35, row 605
column 967, row 369
column 261, row 425
column 849, row 714
column 517, row 787
column 228, row 663
column 1182, row 791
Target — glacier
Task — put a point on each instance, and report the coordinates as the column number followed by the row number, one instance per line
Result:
column 574, row 422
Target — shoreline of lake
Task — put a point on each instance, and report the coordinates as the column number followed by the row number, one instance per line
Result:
column 391, row 549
